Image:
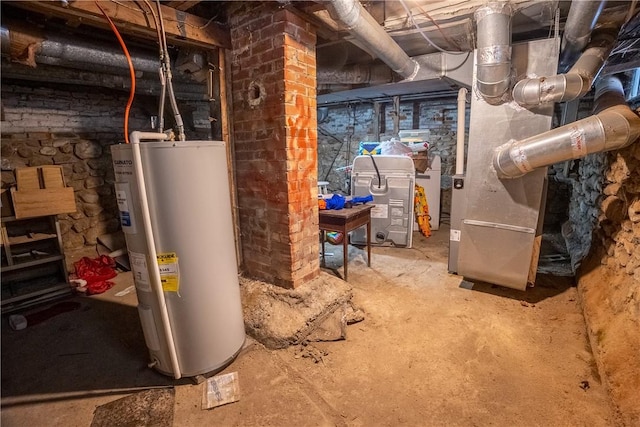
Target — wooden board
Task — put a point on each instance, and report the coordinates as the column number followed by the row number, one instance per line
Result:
column 27, row 179
column 28, row 204
column 131, row 18
column 533, row 268
column 52, row 177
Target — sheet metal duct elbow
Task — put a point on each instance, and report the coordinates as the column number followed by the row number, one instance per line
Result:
column 572, row 85
column 365, row 28
column 612, row 128
column 493, row 69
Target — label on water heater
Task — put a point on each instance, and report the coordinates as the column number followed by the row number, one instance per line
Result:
column 123, row 197
column 169, row 271
column 140, row 272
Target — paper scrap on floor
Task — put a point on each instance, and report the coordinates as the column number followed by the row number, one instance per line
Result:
column 220, row 390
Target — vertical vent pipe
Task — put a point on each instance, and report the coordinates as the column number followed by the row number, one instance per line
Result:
column 614, row 126
column 365, row 28
column 581, row 21
column 493, row 62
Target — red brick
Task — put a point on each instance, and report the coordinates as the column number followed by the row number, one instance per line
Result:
column 307, row 80
column 289, row 16
column 261, row 46
column 292, row 29
column 292, row 85
column 276, row 143
column 279, row 40
column 276, row 28
column 263, row 22
column 270, row 55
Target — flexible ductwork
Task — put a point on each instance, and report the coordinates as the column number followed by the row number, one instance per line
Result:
column 365, row 28
column 576, row 83
column 355, row 74
column 613, row 128
column 70, row 52
column 493, row 62
column 581, row 21
column 144, row 86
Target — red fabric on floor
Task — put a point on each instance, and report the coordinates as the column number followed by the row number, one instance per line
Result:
column 97, row 273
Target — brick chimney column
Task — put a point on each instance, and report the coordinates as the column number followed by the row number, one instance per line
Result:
column 274, row 120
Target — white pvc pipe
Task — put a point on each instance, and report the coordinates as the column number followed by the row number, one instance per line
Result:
column 462, row 110
column 156, row 282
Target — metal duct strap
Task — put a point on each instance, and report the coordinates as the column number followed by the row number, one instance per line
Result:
column 493, row 23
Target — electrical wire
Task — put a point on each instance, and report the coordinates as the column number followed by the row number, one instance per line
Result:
column 377, row 170
column 132, row 72
column 424, row 35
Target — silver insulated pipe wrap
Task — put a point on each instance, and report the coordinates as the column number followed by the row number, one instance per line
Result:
column 610, row 129
column 575, row 84
column 581, row 21
column 365, row 28
column 493, row 69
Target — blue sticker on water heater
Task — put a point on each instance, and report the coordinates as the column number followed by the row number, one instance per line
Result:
column 125, row 219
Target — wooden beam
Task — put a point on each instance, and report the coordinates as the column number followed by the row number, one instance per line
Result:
column 181, row 28
column 183, row 5
column 322, row 29
column 226, row 111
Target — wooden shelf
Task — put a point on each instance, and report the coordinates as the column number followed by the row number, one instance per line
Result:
column 19, row 302
column 30, row 238
column 35, row 269
column 32, row 263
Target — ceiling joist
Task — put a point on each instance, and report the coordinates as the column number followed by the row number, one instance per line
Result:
column 181, row 28
column 183, row 5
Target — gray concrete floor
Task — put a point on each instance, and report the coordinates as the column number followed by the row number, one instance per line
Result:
column 430, row 351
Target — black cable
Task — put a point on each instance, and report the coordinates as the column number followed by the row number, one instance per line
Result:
column 377, row 171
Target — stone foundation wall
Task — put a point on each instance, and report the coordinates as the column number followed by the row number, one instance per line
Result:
column 609, row 282
column 74, row 128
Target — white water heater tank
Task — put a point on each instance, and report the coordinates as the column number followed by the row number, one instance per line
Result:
column 190, row 211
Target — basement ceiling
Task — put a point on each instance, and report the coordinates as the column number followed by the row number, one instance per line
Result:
column 448, row 24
